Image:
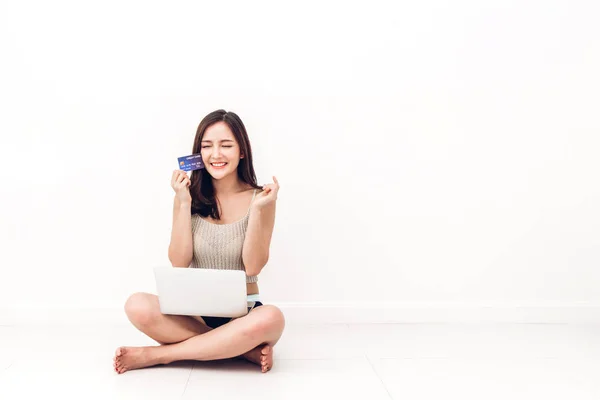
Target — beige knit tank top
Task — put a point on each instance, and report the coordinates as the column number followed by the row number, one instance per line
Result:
column 219, row 246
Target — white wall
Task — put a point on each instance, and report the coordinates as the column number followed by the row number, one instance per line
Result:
column 428, row 152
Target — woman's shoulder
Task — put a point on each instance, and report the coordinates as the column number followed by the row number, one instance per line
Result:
column 251, row 189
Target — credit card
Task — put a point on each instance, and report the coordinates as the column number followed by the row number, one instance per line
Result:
column 191, row 162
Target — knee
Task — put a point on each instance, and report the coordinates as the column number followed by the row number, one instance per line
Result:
column 140, row 308
column 271, row 321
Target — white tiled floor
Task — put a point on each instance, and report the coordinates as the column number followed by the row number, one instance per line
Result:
column 390, row 361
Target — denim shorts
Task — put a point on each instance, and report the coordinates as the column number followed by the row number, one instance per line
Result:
column 215, row 322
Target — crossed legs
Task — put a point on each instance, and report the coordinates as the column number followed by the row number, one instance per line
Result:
column 188, row 338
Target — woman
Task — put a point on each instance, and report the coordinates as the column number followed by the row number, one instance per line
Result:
column 221, row 219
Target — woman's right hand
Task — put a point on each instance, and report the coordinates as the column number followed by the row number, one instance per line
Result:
column 180, row 182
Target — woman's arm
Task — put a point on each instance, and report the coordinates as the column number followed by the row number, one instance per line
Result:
column 181, row 246
column 255, row 251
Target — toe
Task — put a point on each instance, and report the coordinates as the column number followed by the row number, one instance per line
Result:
column 266, row 349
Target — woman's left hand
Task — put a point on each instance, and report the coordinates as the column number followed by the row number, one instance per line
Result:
column 268, row 195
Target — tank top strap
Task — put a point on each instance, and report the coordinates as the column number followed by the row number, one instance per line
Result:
column 251, row 201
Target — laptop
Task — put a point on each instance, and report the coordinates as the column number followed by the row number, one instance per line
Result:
column 201, row 292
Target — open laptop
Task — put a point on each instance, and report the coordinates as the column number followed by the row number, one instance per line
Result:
column 201, row 292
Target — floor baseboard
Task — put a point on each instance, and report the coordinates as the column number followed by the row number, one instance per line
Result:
column 341, row 313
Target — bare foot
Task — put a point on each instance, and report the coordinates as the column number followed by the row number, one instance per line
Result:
column 128, row 358
column 261, row 355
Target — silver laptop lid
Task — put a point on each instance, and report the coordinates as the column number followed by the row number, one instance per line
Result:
column 201, row 292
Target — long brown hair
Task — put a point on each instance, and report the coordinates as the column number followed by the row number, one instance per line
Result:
column 204, row 201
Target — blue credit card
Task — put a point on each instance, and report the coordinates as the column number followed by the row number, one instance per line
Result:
column 191, row 162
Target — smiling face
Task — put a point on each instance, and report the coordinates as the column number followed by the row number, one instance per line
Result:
column 220, row 151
